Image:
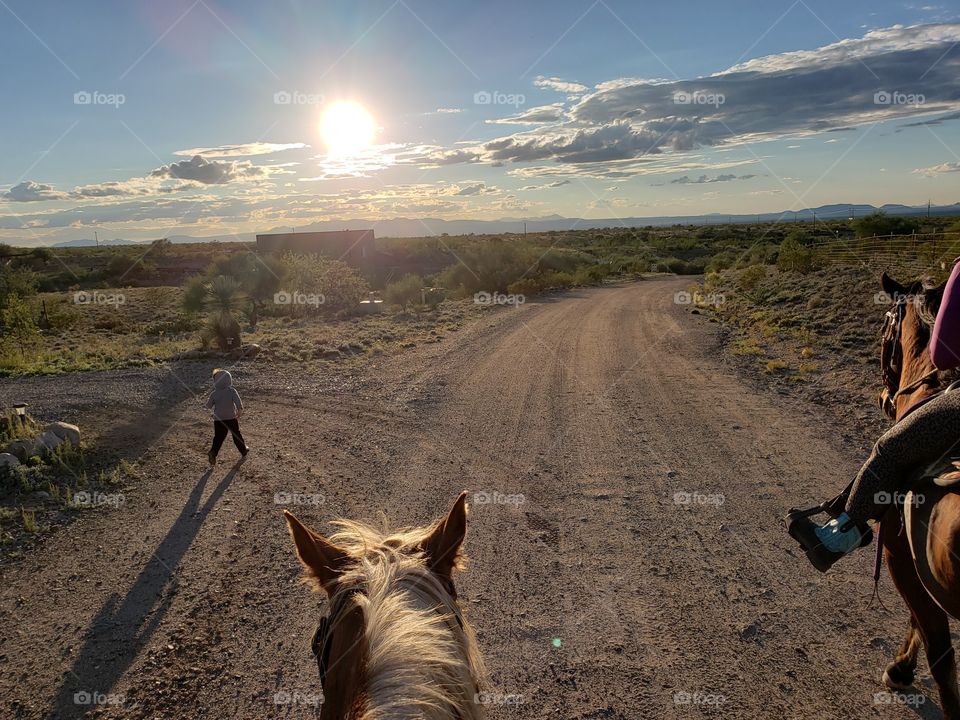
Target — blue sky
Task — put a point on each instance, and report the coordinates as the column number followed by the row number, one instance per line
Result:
column 201, row 117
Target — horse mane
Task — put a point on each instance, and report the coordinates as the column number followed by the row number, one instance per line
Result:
column 421, row 662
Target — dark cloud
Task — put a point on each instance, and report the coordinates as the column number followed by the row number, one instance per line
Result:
column 210, row 172
column 887, row 74
column 30, row 191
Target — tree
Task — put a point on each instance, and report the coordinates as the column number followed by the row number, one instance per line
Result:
column 19, row 324
column 879, row 223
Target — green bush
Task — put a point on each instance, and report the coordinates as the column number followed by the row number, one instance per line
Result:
column 794, row 257
column 405, row 291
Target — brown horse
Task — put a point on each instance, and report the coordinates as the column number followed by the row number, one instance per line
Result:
column 395, row 644
column 928, row 575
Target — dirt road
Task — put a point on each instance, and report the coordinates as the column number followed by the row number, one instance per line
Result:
column 645, row 574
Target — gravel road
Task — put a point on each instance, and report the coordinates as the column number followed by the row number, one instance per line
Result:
column 627, row 558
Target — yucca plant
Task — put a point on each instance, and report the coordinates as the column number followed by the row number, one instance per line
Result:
column 222, row 298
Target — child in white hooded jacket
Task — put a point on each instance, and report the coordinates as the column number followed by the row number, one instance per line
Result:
column 226, row 407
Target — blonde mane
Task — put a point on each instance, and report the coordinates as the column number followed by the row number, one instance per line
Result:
column 422, row 662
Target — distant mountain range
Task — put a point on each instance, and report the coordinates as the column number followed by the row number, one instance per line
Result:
column 411, row 227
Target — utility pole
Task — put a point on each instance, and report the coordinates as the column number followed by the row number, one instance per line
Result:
column 96, row 238
column 928, row 209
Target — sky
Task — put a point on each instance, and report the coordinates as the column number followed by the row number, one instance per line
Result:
column 141, row 120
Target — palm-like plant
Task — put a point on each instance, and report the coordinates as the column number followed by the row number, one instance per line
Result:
column 222, row 298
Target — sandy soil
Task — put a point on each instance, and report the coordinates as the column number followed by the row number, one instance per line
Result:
column 646, row 565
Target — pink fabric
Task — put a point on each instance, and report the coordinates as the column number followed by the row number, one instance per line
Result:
column 945, row 342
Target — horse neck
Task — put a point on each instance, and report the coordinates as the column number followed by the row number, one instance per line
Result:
column 916, row 364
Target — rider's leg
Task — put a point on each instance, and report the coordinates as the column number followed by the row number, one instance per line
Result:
column 926, row 435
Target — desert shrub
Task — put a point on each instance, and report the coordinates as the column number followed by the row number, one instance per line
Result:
column 794, row 257
column 403, row 292
column 751, row 277
column 527, row 286
column 879, row 223
column 19, row 326
column 340, row 285
column 489, row 266
column 590, row 274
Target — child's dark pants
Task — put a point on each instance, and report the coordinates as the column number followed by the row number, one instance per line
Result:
column 220, row 429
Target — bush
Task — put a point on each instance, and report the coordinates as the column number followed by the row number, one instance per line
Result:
column 879, row 223
column 794, row 257
column 405, row 291
column 751, row 277
column 341, row 286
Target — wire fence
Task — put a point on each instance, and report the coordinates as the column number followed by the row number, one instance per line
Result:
column 921, row 254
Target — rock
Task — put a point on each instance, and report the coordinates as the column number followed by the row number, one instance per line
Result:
column 8, row 461
column 22, row 448
column 49, row 442
column 65, row 431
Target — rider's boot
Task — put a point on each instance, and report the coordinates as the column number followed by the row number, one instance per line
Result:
column 828, row 543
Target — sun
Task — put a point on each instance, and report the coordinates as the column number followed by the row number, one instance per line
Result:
column 347, row 128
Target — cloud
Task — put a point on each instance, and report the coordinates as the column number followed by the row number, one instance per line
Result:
column 474, row 189
column 30, row 191
column 533, row 116
column 210, row 172
column 933, row 121
column 449, row 111
column 560, row 85
column 947, row 167
column 704, row 180
column 242, row 150
column 888, row 74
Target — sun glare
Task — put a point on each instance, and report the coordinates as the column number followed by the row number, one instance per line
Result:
column 347, row 128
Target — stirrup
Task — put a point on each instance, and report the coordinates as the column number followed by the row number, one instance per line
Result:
column 802, row 529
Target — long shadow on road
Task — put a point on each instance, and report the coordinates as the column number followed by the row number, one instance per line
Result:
column 124, row 626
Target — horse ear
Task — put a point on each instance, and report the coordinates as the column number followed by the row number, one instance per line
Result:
column 323, row 560
column 442, row 546
column 891, row 287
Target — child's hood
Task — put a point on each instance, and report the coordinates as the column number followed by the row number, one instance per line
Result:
column 222, row 379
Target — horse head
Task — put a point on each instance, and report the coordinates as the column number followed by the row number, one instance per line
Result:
column 395, row 643
column 907, row 372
